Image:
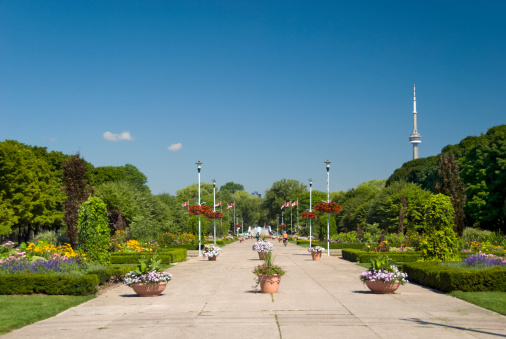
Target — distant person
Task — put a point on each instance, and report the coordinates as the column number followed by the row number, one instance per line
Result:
column 258, row 236
column 285, row 238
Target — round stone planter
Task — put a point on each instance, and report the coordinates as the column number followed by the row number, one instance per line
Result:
column 382, row 287
column 269, row 283
column 149, row 290
column 316, row 255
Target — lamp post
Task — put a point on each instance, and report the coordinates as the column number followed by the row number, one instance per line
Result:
column 199, row 166
column 328, row 200
column 214, row 209
column 310, row 209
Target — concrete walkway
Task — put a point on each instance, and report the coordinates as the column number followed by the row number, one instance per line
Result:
column 317, row 299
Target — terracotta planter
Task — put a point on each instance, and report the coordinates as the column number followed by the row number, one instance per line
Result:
column 149, row 290
column 261, row 255
column 316, row 255
column 269, row 283
column 382, row 287
column 212, row 258
column 280, row 240
column 241, row 241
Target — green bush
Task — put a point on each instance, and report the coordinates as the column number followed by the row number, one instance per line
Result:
column 450, row 279
column 334, row 246
column 51, row 284
column 352, row 254
column 111, row 272
column 166, row 257
column 93, row 230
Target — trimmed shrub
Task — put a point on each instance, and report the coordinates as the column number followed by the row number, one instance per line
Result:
column 112, row 273
column 352, row 254
column 334, row 246
column 51, row 284
column 166, row 257
column 450, row 279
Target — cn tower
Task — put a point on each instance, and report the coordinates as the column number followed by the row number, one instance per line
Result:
column 415, row 138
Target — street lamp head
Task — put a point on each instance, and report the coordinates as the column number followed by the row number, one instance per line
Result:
column 310, row 182
column 199, row 165
column 327, row 165
column 214, row 182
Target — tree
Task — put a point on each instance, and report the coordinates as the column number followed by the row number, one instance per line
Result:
column 75, row 187
column 355, row 204
column 483, row 169
column 93, row 230
column 29, row 191
column 280, row 192
column 440, row 242
column 452, row 185
column 386, row 206
column 128, row 173
column 422, row 171
column 231, row 187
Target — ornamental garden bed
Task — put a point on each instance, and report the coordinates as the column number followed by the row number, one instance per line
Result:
column 167, row 256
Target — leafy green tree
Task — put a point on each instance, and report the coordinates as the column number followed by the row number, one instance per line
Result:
column 280, row 192
column 93, row 230
column 322, row 226
column 355, row 204
column 483, row 168
column 231, row 187
column 386, row 206
column 128, row 173
column 75, row 187
column 452, row 185
column 422, row 171
column 440, row 242
column 30, row 194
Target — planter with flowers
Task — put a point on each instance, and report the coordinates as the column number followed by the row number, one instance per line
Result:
column 147, row 280
column 327, row 207
column 316, row 252
column 383, row 277
column 211, row 252
column 262, row 248
column 241, row 239
column 308, row 215
column 268, row 274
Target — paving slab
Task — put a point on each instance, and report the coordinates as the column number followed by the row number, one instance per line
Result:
column 219, row 299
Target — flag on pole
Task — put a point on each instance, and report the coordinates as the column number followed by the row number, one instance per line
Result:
column 218, row 204
column 283, row 206
column 295, row 203
column 230, row 205
column 289, row 204
column 186, row 203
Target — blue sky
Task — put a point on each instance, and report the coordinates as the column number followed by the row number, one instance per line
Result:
column 256, row 90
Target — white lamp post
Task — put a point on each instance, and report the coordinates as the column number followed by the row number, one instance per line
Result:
column 199, row 166
column 214, row 209
column 310, row 209
column 328, row 200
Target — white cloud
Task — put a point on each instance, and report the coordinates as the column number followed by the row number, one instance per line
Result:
column 175, row 147
column 117, row 137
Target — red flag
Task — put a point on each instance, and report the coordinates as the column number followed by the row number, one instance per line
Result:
column 289, row 204
column 230, row 205
column 186, row 203
column 283, row 206
column 295, row 203
column 218, row 204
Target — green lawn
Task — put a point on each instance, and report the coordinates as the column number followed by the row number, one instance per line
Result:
column 19, row 311
column 494, row 301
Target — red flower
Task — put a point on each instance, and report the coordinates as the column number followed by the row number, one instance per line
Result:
column 308, row 215
column 282, row 225
column 327, row 207
column 237, row 225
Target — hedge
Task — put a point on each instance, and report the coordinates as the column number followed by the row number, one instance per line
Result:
column 116, row 273
column 51, row 284
column 166, row 257
column 333, row 246
column 451, row 279
column 363, row 256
